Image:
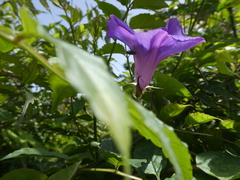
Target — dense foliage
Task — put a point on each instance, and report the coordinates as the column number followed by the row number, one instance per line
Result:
column 65, row 113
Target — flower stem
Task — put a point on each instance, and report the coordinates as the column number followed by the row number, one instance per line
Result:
column 114, row 171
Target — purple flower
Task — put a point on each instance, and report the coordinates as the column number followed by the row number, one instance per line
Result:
column 151, row 47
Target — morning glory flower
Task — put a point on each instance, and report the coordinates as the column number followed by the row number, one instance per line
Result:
column 151, row 47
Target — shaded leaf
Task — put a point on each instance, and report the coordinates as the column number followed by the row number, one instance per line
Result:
column 124, row 2
column 24, row 174
column 61, row 90
column 108, row 8
column 45, row 4
column 30, row 73
column 107, row 48
column 31, row 152
column 146, row 21
column 66, row 173
column 149, row 4
column 220, row 165
column 162, row 136
column 154, row 156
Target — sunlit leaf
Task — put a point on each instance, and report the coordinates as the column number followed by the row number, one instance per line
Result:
column 29, row 24
column 172, row 110
column 88, row 74
column 199, row 118
column 170, row 85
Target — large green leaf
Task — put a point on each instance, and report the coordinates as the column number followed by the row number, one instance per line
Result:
column 220, row 165
column 30, row 152
column 149, row 4
column 24, row 174
column 162, row 136
column 88, row 74
column 66, row 173
column 146, row 21
column 170, row 85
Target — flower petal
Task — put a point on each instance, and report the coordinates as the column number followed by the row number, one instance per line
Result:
column 172, row 45
column 119, row 30
column 174, row 27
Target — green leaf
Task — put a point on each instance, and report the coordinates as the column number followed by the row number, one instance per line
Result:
column 29, row 24
column 199, row 118
column 5, row 115
column 107, row 48
column 110, row 152
column 108, row 8
column 30, row 73
column 5, row 46
column 29, row 99
column 76, row 15
column 231, row 125
column 154, row 156
column 220, row 165
column 66, row 173
column 112, row 158
column 24, row 174
column 172, row 110
column 76, row 106
column 170, row 85
column 223, row 56
column 88, row 74
column 222, row 68
column 149, row 4
column 32, row 152
column 45, row 4
column 25, row 136
column 108, row 145
column 124, row 2
column 164, row 137
column 61, row 90
column 146, row 21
